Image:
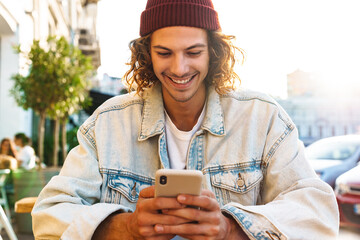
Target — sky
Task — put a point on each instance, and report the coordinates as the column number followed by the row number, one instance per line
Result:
column 278, row 36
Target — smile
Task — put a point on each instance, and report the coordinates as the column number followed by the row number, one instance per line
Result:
column 183, row 80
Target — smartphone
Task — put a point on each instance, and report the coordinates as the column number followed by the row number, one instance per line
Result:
column 172, row 182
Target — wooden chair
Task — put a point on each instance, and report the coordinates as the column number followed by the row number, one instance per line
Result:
column 25, row 205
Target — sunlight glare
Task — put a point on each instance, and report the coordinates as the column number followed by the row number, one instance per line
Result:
column 278, row 37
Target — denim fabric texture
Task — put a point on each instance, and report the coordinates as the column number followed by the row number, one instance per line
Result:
column 247, row 148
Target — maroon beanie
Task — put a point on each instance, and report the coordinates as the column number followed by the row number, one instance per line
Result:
column 166, row 13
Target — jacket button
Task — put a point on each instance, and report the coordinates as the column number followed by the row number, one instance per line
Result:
column 240, row 182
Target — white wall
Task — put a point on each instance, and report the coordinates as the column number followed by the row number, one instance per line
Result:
column 12, row 118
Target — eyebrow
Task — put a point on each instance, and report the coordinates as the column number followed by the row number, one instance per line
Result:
column 199, row 45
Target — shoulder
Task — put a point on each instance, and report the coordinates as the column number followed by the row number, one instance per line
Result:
column 261, row 104
column 26, row 152
column 28, row 149
column 245, row 95
column 119, row 103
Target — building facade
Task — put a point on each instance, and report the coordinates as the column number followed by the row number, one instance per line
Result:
column 317, row 111
column 20, row 23
column 318, row 118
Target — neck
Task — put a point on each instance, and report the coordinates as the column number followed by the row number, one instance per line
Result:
column 185, row 115
column 185, row 118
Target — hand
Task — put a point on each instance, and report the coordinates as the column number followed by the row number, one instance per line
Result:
column 140, row 224
column 205, row 223
column 148, row 213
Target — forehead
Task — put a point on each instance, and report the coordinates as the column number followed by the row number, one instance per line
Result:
column 178, row 37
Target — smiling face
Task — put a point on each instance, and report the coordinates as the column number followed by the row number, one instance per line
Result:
column 180, row 61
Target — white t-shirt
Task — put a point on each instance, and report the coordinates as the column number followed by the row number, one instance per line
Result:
column 178, row 141
column 27, row 156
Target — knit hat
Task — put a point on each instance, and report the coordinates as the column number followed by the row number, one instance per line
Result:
column 166, row 13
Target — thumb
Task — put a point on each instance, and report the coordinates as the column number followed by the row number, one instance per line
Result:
column 148, row 192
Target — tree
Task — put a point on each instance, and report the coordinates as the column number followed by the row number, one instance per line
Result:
column 56, row 74
column 73, row 91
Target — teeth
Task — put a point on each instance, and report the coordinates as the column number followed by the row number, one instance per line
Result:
column 182, row 81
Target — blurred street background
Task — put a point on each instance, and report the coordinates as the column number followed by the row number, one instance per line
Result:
column 305, row 54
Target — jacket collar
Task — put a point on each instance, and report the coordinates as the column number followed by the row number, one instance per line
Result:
column 214, row 117
column 153, row 119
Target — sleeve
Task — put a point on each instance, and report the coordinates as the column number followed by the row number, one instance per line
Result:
column 293, row 203
column 68, row 207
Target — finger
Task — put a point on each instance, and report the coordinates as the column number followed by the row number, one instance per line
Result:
column 155, row 204
column 208, row 193
column 161, row 237
column 194, row 237
column 188, row 229
column 147, row 231
column 204, row 202
column 191, row 214
column 150, row 234
column 148, row 192
column 196, row 215
column 161, row 203
column 148, row 219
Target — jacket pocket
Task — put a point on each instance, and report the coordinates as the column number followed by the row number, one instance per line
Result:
column 236, row 183
column 124, row 187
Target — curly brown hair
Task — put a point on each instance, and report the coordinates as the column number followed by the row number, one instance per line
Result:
column 221, row 64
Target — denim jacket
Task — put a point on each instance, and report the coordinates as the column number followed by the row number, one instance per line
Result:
column 247, row 148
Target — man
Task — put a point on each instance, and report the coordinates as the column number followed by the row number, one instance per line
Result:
column 25, row 156
column 185, row 113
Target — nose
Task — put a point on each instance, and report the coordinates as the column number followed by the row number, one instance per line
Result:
column 179, row 65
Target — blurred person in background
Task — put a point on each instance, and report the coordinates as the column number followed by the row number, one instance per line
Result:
column 8, row 154
column 7, row 147
column 186, row 113
column 26, row 154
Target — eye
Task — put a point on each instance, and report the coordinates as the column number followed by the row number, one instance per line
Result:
column 194, row 53
column 163, row 54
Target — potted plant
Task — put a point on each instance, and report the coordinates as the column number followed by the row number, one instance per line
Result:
column 57, row 82
column 56, row 86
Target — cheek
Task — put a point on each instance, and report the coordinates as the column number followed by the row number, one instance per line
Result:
column 204, row 63
column 155, row 63
column 157, row 69
column 159, row 66
column 204, row 67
